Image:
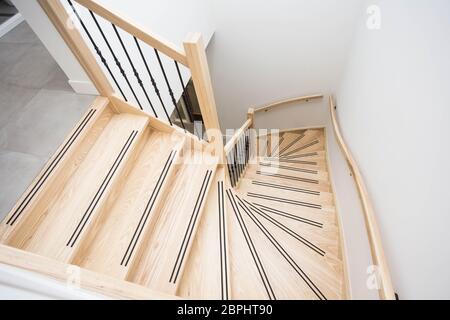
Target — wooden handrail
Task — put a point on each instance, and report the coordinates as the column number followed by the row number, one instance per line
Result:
column 287, row 101
column 139, row 32
column 230, row 144
column 376, row 247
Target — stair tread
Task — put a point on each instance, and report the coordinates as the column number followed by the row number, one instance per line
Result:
column 246, row 280
column 289, row 180
column 288, row 284
column 207, row 275
column 64, row 219
column 281, row 190
column 115, row 238
column 160, row 264
column 284, row 169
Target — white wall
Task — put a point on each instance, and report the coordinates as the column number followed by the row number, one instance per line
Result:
column 264, row 51
column 351, row 214
column 394, row 108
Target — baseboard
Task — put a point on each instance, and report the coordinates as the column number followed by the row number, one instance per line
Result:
column 10, row 24
column 83, row 87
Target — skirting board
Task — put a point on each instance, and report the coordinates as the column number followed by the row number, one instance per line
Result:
column 83, row 87
column 10, row 24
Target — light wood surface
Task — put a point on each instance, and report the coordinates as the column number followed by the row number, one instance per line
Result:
column 122, row 106
column 207, row 274
column 198, row 64
column 57, row 230
column 162, row 257
column 378, row 255
column 59, row 17
column 60, row 166
column 139, row 32
column 293, row 226
column 273, row 105
column 237, row 135
column 123, row 221
column 166, row 222
column 91, row 281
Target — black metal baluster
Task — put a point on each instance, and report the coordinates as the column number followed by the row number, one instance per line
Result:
column 96, row 48
column 239, row 157
column 236, row 171
column 116, row 60
column 152, row 79
column 235, row 163
column 170, row 89
column 247, row 149
column 136, row 74
column 187, row 100
column 230, row 173
column 249, row 146
column 242, row 153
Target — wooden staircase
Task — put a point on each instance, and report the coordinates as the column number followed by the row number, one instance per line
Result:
column 131, row 199
column 284, row 234
column 142, row 209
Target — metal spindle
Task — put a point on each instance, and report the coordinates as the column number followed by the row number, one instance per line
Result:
column 136, row 74
column 230, row 173
column 152, row 79
column 242, row 154
column 170, row 89
column 246, row 148
column 187, row 100
column 235, row 164
column 113, row 55
column 239, row 152
column 96, row 48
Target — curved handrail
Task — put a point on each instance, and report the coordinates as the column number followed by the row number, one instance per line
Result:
column 376, row 247
column 287, row 101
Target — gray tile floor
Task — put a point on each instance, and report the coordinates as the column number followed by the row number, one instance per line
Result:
column 38, row 109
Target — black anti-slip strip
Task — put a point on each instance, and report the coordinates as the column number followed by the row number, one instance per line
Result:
column 190, row 227
column 286, row 256
column 271, row 165
column 222, row 243
column 282, row 200
column 292, row 143
column 251, row 247
column 277, row 147
column 148, row 209
column 230, row 170
column 283, row 176
column 282, row 187
column 302, row 148
column 312, row 163
column 87, row 214
column 289, row 215
column 50, row 168
column 297, row 156
column 283, row 227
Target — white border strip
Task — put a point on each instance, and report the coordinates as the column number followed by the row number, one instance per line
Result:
column 10, row 24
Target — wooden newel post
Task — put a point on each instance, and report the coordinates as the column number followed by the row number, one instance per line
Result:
column 251, row 116
column 198, row 64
